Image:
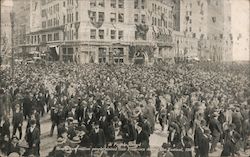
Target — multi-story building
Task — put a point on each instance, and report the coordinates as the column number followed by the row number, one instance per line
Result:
column 5, row 45
column 208, row 21
column 22, row 24
column 102, row 31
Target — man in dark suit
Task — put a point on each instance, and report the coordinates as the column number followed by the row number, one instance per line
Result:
column 17, row 121
column 142, row 140
column 27, row 106
column 216, row 131
column 97, row 137
column 198, row 135
column 33, row 139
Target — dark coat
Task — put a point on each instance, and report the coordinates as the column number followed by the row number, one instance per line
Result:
column 203, row 146
column 27, row 106
column 85, row 141
column 143, row 139
column 33, row 137
column 215, row 127
column 98, row 139
column 17, row 118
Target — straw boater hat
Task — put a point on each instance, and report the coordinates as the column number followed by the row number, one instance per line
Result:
column 14, row 154
column 60, row 141
column 75, row 140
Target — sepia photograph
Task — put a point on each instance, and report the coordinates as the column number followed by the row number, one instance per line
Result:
column 125, row 78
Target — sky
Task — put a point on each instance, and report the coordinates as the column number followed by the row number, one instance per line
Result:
column 241, row 28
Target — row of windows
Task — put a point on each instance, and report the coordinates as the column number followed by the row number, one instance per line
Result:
column 50, row 23
column 160, row 22
column 160, row 9
column 113, row 3
column 113, row 17
column 35, row 39
column 50, row 11
column 50, row 37
column 139, row 4
column 137, row 19
column 70, row 17
column 113, row 34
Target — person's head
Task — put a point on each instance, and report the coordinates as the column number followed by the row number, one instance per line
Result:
column 17, row 107
column 60, row 142
column 96, row 127
column 14, row 140
column 64, row 133
column 33, row 123
column 74, row 142
column 6, row 138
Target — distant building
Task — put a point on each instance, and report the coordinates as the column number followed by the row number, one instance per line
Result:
column 22, row 24
column 102, row 31
column 208, row 21
column 5, row 31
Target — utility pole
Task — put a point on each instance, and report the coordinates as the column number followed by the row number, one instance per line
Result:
column 12, row 17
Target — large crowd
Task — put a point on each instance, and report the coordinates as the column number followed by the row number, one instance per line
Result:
column 102, row 106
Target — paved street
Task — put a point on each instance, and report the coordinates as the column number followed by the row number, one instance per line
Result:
column 156, row 139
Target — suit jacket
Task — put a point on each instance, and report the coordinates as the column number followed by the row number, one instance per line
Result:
column 33, row 137
column 143, row 139
column 98, row 139
column 17, row 118
column 198, row 134
column 215, row 127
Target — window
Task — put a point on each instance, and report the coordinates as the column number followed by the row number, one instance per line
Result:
column 153, row 21
column 101, row 3
column 194, row 35
column 64, row 4
column 118, row 55
column 92, row 3
column 136, row 18
column 143, row 19
column 159, row 22
column 120, row 35
column 113, row 17
column 113, row 32
column 101, row 34
column 43, row 38
column 121, row 3
column 43, row 13
column 93, row 16
column 190, row 29
column 49, row 37
column 56, row 36
column 101, row 16
column 190, row 21
column 214, row 19
column 44, row 24
column 136, row 3
column 92, row 34
column 64, row 19
column 142, row 4
column 77, row 16
column 121, row 17
column 113, row 3
column 77, row 33
column 102, row 55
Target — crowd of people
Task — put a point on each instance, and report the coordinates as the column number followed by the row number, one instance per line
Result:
column 102, row 106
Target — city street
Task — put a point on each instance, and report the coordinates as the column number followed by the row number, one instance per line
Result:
column 156, row 139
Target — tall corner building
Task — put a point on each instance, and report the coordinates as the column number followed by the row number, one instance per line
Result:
column 102, row 31
column 206, row 23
